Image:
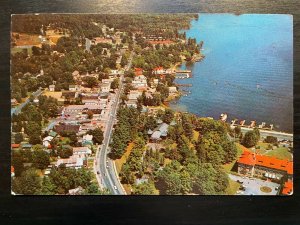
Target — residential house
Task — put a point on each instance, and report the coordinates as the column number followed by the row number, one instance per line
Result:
column 134, row 94
column 74, row 161
column 47, row 140
column 52, row 87
column 160, row 132
column 138, row 71
column 173, row 89
column 13, row 102
column 82, row 151
column 73, row 87
column 140, row 82
column 105, row 87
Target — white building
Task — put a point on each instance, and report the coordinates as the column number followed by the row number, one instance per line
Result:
column 139, row 82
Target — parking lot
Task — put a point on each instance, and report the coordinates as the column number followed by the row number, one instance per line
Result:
column 253, row 185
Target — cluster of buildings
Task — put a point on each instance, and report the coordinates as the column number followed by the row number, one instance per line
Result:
column 140, row 85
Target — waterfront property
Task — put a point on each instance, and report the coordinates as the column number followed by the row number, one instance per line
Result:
column 252, row 164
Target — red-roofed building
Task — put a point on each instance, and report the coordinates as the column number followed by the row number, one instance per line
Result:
column 162, row 42
column 12, row 171
column 138, row 71
column 287, row 188
column 15, row 145
column 254, row 164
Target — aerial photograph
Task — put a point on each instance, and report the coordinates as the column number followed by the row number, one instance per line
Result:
column 151, row 104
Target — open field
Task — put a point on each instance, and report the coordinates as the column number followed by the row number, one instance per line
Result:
column 122, row 160
column 232, row 188
column 27, row 39
column 280, row 153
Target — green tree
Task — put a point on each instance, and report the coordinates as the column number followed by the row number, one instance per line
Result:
column 18, row 138
column 97, row 135
column 250, row 139
column 41, row 159
column 29, row 183
column 145, row 188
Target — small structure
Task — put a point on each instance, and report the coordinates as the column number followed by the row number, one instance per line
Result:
column 47, row 140
column 76, row 191
column 173, row 89
column 52, row 87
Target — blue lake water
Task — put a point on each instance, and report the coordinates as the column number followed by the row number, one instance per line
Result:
column 247, row 71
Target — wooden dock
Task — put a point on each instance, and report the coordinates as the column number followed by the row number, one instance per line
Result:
column 184, row 85
column 183, row 71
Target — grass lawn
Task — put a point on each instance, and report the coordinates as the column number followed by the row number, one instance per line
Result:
column 127, row 188
column 14, row 50
column 122, row 160
column 232, row 188
column 280, row 153
column 90, row 163
column 195, row 135
column 228, row 166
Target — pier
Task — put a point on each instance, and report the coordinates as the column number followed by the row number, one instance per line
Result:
column 183, row 71
column 184, row 85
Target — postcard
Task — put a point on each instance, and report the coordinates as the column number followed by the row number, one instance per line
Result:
column 152, row 104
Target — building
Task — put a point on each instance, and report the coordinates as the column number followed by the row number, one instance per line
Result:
column 105, row 87
column 173, row 89
column 47, row 140
column 134, row 94
column 73, row 87
column 59, row 128
column 287, row 188
column 160, row 132
column 74, row 161
column 138, row 71
column 82, row 150
column 252, row 164
column 75, row 109
column 13, row 102
column 52, row 87
column 131, row 103
column 140, row 82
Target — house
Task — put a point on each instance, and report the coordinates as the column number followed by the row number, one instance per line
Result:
column 74, row 161
column 140, row 82
column 76, row 191
column 12, row 171
column 13, row 102
column 105, row 87
column 134, row 94
column 73, row 87
column 173, row 89
column 47, row 140
column 26, row 146
column 15, row 145
column 52, row 134
column 52, row 87
column 253, row 164
column 158, row 70
column 159, row 132
column 131, row 103
column 82, row 150
column 138, row 71
column 87, row 139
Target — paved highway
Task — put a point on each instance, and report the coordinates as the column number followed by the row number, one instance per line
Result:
column 106, row 173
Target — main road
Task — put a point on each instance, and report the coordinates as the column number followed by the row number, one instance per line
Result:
column 106, row 172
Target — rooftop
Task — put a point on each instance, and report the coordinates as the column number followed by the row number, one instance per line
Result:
column 254, row 159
